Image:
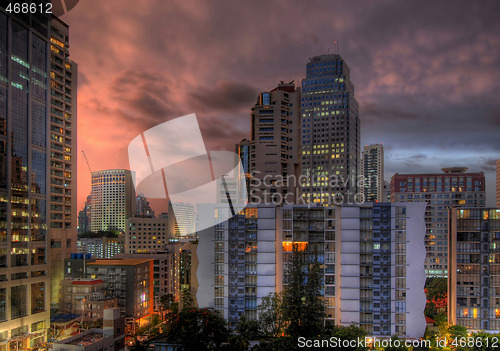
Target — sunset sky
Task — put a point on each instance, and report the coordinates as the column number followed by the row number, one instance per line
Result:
column 426, row 73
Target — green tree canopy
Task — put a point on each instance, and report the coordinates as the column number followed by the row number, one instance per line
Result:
column 197, row 329
column 271, row 317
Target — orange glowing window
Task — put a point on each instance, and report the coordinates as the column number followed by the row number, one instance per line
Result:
column 250, row 213
column 299, row 245
column 57, row 42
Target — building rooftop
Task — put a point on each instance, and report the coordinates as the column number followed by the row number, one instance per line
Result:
column 84, row 339
column 63, row 317
column 120, row 262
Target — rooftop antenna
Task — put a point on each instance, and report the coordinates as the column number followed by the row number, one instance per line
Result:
column 336, row 47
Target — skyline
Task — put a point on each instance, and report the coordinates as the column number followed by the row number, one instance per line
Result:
column 439, row 67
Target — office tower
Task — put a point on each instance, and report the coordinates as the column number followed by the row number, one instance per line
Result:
column 441, row 191
column 474, row 283
column 330, row 133
column 371, row 259
column 142, row 208
column 63, row 132
column 24, row 192
column 372, row 170
column 498, row 183
column 274, row 158
column 113, row 199
column 237, row 265
column 84, row 216
column 143, row 234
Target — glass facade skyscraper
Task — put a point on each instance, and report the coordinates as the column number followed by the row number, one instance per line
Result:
column 24, row 107
column 330, row 133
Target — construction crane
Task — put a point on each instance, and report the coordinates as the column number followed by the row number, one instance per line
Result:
column 86, row 160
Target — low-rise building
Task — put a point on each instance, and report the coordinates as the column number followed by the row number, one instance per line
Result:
column 130, row 280
column 165, row 272
column 86, row 297
column 110, row 337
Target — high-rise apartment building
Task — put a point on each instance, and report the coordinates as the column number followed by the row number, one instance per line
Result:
column 498, row 183
column 372, row 170
column 237, row 263
column 474, row 259
column 274, row 157
column 441, row 191
column 330, row 133
column 24, row 185
column 63, row 132
column 371, row 259
column 113, row 199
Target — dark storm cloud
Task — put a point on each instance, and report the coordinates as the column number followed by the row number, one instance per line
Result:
column 220, row 134
column 489, row 164
column 426, row 74
column 224, row 96
column 374, row 113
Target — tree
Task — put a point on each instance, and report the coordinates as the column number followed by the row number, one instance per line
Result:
column 271, row 318
column 248, row 329
column 197, row 329
column 293, row 295
column 437, row 288
column 303, row 308
column 139, row 346
column 166, row 301
column 457, row 331
column 100, row 234
column 187, row 299
column 352, row 332
column 483, row 341
column 396, row 344
column 314, row 308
